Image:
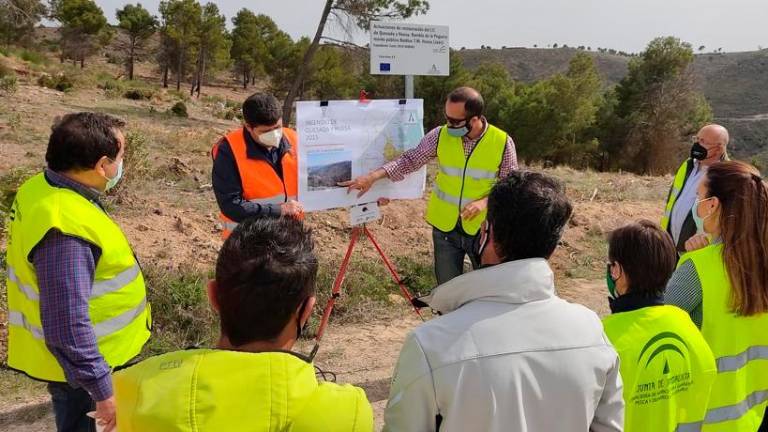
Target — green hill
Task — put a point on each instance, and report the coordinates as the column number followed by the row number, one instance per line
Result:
column 735, row 84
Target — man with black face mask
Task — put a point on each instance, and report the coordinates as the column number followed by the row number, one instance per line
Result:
column 709, row 147
column 472, row 155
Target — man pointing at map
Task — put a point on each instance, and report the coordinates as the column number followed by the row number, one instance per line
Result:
column 472, row 154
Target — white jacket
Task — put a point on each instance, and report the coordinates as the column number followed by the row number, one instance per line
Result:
column 508, row 355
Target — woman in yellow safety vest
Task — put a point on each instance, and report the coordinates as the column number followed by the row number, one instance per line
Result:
column 666, row 366
column 724, row 288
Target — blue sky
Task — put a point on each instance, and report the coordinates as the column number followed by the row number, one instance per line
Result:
column 628, row 25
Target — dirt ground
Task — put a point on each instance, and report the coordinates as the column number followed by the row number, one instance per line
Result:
column 170, row 218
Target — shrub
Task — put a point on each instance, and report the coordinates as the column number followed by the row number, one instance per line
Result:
column 182, row 316
column 33, row 57
column 5, row 70
column 138, row 94
column 112, row 88
column 8, row 85
column 179, row 109
column 61, row 81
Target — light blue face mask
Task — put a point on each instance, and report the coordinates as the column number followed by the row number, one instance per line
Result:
column 114, row 180
column 699, row 221
column 458, row 132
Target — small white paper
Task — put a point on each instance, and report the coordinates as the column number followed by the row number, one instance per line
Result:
column 99, row 428
column 364, row 213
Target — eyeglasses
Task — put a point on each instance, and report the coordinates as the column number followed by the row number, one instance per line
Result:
column 455, row 122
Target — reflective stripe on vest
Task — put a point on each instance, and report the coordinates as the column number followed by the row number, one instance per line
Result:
column 689, row 427
column 462, row 179
column 18, row 319
column 674, row 193
column 475, row 173
column 117, row 305
column 740, row 345
column 259, row 181
column 666, row 366
column 25, row 289
column 121, row 280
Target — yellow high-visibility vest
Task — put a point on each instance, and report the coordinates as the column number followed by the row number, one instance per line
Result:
column 217, row 390
column 461, row 180
column 666, row 366
column 674, row 191
column 740, row 345
column 117, row 307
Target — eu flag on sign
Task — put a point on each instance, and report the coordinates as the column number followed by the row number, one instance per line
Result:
column 384, row 67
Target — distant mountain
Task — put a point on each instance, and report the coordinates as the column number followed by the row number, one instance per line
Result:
column 735, row 84
column 327, row 176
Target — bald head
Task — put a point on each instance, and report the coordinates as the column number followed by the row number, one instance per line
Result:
column 715, row 139
column 715, row 133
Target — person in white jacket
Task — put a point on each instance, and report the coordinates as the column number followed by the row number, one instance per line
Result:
column 508, row 354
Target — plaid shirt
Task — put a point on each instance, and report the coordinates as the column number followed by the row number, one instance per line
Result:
column 416, row 158
column 65, row 268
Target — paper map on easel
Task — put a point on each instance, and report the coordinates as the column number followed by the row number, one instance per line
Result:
column 340, row 140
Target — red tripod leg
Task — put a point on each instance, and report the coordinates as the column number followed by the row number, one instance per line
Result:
column 336, row 290
column 403, row 289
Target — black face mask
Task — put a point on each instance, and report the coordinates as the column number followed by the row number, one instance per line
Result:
column 301, row 329
column 698, row 151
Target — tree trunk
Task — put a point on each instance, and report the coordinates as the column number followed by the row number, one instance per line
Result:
column 165, row 75
column 245, row 78
column 308, row 56
column 130, row 59
column 178, row 69
column 201, row 77
column 82, row 62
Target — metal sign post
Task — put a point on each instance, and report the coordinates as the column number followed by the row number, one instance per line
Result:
column 409, row 87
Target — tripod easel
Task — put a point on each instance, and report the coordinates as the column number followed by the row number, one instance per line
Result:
column 353, row 238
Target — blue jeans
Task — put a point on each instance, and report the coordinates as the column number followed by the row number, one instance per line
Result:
column 450, row 249
column 70, row 406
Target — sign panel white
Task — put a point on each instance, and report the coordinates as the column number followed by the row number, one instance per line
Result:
column 340, row 140
column 409, row 49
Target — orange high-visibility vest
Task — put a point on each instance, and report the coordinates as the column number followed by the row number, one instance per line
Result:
column 260, row 182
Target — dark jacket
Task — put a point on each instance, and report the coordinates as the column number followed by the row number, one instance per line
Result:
column 228, row 186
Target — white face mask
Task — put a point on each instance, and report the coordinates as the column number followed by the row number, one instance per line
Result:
column 271, row 138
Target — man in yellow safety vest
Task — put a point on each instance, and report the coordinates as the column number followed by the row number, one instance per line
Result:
column 77, row 305
column 264, row 292
column 472, row 155
column 709, row 147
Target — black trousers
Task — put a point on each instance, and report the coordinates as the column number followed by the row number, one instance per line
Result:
column 70, row 406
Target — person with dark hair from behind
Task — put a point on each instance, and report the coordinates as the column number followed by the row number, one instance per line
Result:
column 724, row 288
column 661, row 350
column 508, row 354
column 263, row 292
column 254, row 167
column 77, row 304
column 472, row 155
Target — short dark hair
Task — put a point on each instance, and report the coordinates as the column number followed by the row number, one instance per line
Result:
column 528, row 211
column 265, row 270
column 79, row 140
column 647, row 256
column 474, row 105
column 261, row 109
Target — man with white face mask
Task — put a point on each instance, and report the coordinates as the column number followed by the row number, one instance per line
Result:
column 254, row 167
